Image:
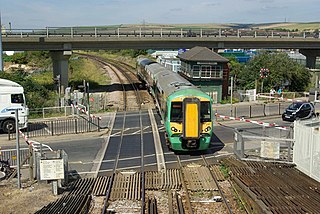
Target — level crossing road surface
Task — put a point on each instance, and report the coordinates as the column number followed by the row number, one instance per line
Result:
column 92, row 154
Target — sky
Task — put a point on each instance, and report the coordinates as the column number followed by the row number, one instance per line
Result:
column 32, row 14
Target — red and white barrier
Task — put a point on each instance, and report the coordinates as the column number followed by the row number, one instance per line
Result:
column 25, row 138
column 279, row 98
column 84, row 111
column 34, row 144
column 252, row 121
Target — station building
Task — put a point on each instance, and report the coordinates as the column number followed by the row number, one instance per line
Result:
column 207, row 70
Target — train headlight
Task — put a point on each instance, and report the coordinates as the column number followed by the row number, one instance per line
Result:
column 174, row 129
column 208, row 129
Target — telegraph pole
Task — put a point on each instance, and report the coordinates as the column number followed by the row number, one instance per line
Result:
column 1, row 54
column 18, row 148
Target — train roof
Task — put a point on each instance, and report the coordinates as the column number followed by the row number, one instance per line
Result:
column 168, row 81
column 145, row 61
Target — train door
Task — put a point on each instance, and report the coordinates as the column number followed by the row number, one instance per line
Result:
column 191, row 118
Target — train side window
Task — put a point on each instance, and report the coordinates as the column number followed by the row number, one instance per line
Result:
column 205, row 112
column 176, row 114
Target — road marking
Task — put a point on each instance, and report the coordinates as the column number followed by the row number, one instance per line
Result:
column 137, row 132
column 117, row 133
column 157, row 142
column 104, row 149
column 131, row 158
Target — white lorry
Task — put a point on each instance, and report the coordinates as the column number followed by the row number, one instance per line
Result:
column 12, row 98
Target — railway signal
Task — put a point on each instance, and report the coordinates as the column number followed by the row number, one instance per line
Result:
column 264, row 73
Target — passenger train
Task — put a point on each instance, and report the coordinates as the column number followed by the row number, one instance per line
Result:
column 185, row 110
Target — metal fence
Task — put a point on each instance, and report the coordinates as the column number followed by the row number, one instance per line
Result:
column 60, row 127
column 252, row 110
column 52, row 111
column 248, row 145
column 10, row 155
column 306, row 151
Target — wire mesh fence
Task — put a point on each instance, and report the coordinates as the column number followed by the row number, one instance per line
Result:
column 271, row 145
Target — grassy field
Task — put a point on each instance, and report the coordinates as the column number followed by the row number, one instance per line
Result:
column 292, row 26
column 83, row 69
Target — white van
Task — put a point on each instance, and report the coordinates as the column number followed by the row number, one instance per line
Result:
column 12, row 98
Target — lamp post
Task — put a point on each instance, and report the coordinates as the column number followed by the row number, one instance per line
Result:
column 231, row 94
column 1, row 56
column 58, row 82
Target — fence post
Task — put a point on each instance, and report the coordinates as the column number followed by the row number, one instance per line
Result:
column 250, row 111
column 279, row 108
column 51, row 127
column 9, row 136
column 264, row 109
column 242, row 147
column 235, row 111
column 75, row 126
column 289, row 151
column 31, row 163
column 98, row 124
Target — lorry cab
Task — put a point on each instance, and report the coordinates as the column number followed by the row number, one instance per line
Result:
column 12, row 98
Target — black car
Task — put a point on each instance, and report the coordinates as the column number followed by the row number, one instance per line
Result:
column 299, row 110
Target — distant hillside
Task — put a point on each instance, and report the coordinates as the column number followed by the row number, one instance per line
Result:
column 289, row 26
column 292, row 26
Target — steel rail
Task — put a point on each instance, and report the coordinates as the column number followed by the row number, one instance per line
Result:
column 115, row 72
column 142, row 167
column 184, row 186
column 217, row 184
column 124, row 69
column 115, row 166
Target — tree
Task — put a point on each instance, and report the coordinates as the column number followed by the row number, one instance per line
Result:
column 283, row 72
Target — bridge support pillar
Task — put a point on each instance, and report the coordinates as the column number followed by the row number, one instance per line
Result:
column 311, row 55
column 60, row 65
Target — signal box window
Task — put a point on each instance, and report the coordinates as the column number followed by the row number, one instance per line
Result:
column 176, row 114
column 17, row 98
column 205, row 112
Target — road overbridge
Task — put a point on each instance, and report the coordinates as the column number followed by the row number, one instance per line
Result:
column 62, row 41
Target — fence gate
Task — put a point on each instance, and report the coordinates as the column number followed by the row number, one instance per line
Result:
column 213, row 95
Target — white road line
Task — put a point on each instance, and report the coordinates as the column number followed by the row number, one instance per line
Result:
column 119, row 132
column 157, row 142
column 131, row 158
column 137, row 132
column 104, row 149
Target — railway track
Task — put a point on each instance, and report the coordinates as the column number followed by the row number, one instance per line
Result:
column 126, row 185
column 268, row 187
column 132, row 99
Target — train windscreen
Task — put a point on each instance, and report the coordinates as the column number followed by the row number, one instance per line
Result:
column 205, row 112
column 176, row 114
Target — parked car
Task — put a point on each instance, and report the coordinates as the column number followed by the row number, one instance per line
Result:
column 299, row 110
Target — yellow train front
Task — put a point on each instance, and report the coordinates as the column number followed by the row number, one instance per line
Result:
column 185, row 110
column 188, row 120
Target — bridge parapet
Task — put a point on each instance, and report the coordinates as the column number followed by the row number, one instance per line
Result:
column 154, row 32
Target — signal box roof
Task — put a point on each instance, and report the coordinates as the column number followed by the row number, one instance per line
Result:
column 202, row 54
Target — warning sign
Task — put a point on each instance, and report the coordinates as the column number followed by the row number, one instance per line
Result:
column 51, row 169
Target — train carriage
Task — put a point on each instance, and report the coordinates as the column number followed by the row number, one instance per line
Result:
column 185, row 110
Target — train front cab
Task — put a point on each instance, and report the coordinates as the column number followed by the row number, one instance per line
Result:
column 189, row 124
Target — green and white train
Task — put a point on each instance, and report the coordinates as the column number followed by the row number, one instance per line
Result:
column 185, row 110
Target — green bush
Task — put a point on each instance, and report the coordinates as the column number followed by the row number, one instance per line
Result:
column 37, row 95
